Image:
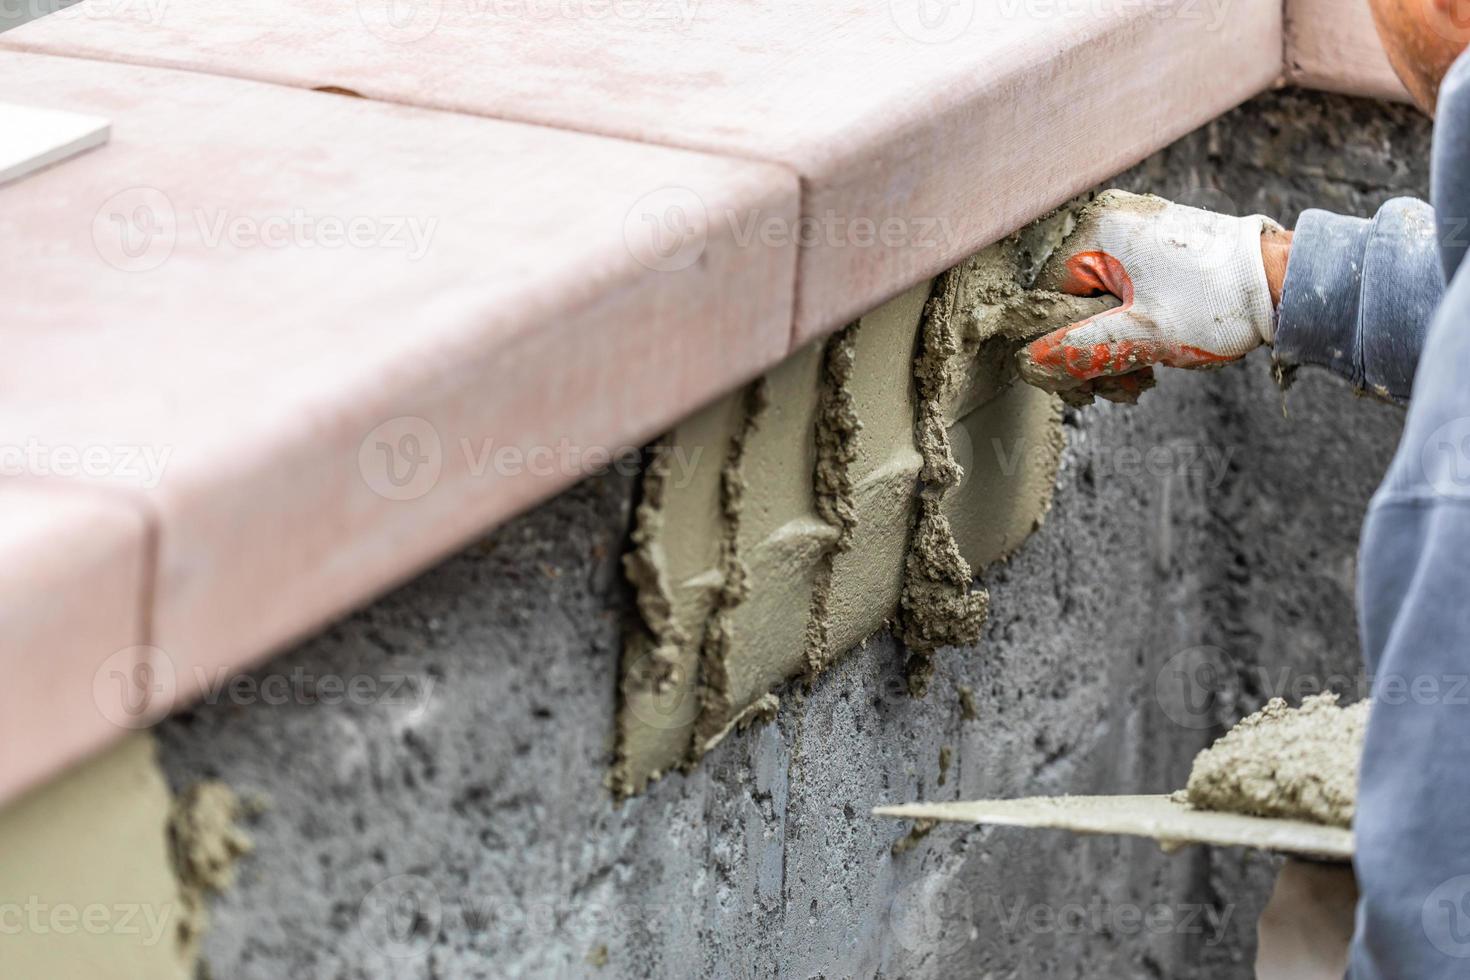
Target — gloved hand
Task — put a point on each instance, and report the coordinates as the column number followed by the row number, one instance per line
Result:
column 1305, row 928
column 1192, row 286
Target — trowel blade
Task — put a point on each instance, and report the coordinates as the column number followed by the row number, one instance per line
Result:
column 1161, row 818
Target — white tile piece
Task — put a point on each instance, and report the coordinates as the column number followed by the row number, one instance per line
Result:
column 32, row 138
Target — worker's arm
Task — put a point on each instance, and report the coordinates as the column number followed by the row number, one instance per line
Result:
column 1200, row 289
column 1305, row 928
column 1358, row 295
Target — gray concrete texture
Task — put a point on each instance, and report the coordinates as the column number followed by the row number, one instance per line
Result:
column 451, row 821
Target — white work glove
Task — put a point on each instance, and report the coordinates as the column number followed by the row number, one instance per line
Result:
column 1192, row 286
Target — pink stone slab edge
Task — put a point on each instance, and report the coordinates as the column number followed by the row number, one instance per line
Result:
column 80, row 588
column 73, row 591
column 1332, row 45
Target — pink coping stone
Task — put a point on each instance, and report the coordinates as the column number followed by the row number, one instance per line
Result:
column 326, row 341
column 921, row 131
column 72, row 593
column 1333, row 45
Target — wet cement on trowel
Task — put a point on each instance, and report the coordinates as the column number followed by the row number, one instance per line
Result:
column 1293, row 763
column 885, row 487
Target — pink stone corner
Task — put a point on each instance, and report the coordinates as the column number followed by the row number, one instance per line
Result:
column 72, row 593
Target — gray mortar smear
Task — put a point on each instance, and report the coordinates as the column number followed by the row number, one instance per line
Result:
column 837, row 430
column 717, row 715
column 1001, row 291
column 1294, row 763
column 205, row 843
column 645, row 573
column 978, row 316
column 938, row 607
column 975, row 319
column 658, row 631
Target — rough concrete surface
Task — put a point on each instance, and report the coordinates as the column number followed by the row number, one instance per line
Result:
column 1198, row 558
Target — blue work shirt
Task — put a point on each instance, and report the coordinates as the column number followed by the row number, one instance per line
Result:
column 1385, row 302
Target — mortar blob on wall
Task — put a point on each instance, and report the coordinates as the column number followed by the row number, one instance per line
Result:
column 858, row 484
column 107, row 844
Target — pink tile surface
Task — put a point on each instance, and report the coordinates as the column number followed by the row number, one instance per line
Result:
column 1333, row 45
column 255, row 298
column 921, row 131
column 72, row 592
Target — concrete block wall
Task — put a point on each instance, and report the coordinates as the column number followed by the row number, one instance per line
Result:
column 450, row 819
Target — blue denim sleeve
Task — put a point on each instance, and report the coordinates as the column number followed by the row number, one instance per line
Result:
column 1413, row 815
column 1359, row 294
